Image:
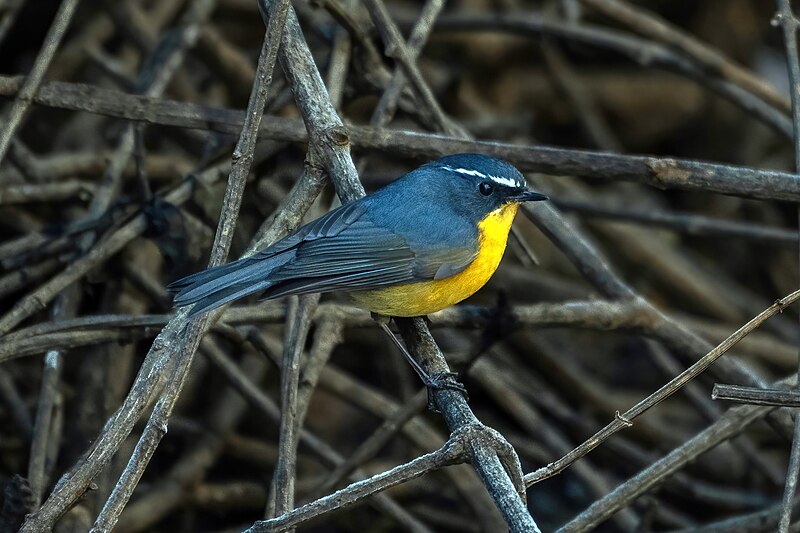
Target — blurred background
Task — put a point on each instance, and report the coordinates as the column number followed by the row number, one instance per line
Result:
column 578, row 75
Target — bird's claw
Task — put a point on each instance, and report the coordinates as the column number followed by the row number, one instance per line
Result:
column 444, row 381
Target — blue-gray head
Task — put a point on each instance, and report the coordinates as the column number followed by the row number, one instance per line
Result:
column 477, row 184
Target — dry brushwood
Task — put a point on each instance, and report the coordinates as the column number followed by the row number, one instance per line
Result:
column 635, row 354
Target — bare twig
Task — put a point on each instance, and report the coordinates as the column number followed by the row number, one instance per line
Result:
column 690, row 224
column 25, row 96
column 663, row 173
column 15, row 404
column 113, row 243
column 242, row 161
column 387, row 105
column 327, row 336
column 397, row 49
column 454, row 451
column 12, row 9
column 263, row 403
column 485, row 457
column 375, row 442
column 750, row 395
column 646, row 53
column 786, row 18
column 712, row 60
column 730, row 424
column 625, row 419
column 45, row 430
column 296, row 334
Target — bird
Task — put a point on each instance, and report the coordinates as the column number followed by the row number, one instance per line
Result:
column 422, row 243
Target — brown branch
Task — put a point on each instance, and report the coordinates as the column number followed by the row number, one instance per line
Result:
column 396, row 48
column 387, row 105
column 788, row 21
column 662, row 173
column 625, row 419
column 283, row 478
column 15, row 404
column 712, row 60
column 644, row 52
column 733, row 422
column 690, row 224
column 26, row 93
column 750, row 395
column 259, row 400
column 453, row 452
column 45, row 431
column 242, row 161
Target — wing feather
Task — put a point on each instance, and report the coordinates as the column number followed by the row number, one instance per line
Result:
column 343, row 250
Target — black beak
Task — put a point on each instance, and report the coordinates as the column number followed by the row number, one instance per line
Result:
column 528, row 196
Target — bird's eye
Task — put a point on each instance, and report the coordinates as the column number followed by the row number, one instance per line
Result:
column 486, row 188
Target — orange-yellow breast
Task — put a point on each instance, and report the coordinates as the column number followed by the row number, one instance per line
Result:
column 423, row 298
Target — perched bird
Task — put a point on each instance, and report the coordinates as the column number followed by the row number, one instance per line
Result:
column 422, row 243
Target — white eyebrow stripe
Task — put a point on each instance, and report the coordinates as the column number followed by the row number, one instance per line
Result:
column 466, row 171
column 508, row 182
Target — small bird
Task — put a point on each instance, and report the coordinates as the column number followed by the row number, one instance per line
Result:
column 424, row 242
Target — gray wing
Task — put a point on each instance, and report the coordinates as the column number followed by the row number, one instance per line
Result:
column 368, row 256
column 343, row 250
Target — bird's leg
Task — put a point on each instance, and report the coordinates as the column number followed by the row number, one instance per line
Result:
column 439, row 381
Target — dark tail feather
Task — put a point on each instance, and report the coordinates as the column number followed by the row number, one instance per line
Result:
column 214, row 287
column 228, row 294
column 207, row 275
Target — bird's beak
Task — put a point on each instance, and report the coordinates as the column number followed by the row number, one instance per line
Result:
column 528, row 196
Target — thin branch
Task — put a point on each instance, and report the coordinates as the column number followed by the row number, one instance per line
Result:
column 494, row 468
column 595, row 125
column 750, row 395
column 396, row 48
column 263, row 403
column 732, row 422
column 15, row 404
column 45, row 192
column 44, row 430
column 642, row 51
column 25, row 96
column 662, row 173
column 12, row 9
column 387, row 105
column 242, row 161
column 599, row 315
column 453, row 452
column 158, row 70
column 327, row 336
column 283, row 478
column 625, row 419
column 646, row 23
column 690, row 224
column 372, row 445
column 786, row 18
column 585, row 256
column 119, row 238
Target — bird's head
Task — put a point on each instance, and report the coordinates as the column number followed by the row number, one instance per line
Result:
column 477, row 184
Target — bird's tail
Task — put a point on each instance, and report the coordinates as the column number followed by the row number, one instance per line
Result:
column 217, row 286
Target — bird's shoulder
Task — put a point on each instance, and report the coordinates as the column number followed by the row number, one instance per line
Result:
column 328, row 225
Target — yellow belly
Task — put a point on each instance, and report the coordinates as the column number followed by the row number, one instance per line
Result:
column 423, row 298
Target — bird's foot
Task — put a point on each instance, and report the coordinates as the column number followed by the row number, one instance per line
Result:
column 443, row 381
